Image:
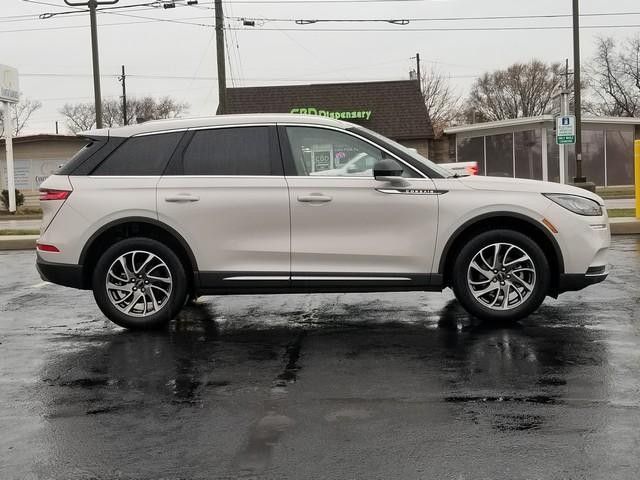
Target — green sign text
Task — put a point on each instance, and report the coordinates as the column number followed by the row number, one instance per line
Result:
column 346, row 115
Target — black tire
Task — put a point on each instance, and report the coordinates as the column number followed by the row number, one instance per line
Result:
column 461, row 268
column 169, row 307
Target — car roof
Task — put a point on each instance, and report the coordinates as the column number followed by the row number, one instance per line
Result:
column 155, row 126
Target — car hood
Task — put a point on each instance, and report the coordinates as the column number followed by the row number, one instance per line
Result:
column 479, row 182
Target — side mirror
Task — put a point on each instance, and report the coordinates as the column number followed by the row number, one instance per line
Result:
column 388, row 170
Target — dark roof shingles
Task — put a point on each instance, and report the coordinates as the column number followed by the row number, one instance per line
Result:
column 398, row 110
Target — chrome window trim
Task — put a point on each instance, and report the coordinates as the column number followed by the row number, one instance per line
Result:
column 159, row 132
column 366, row 140
column 195, row 129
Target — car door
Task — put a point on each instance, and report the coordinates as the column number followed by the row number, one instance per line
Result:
column 225, row 193
column 350, row 227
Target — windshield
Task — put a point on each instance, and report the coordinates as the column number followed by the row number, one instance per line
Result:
column 445, row 172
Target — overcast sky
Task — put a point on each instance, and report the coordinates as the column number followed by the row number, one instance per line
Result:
column 55, row 64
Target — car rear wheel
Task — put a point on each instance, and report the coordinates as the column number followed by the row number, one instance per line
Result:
column 501, row 275
column 139, row 283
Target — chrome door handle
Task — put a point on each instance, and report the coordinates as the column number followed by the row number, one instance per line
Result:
column 314, row 198
column 182, row 198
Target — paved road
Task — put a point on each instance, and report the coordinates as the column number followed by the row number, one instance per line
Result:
column 392, row 386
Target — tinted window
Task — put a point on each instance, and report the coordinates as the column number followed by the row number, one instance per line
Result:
column 145, row 155
column 231, row 151
column 86, row 152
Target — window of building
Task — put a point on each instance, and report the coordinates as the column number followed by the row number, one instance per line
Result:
column 472, row 150
column 500, row 155
column 620, row 157
column 528, row 154
column 229, row 151
column 593, row 156
column 145, row 155
column 553, row 157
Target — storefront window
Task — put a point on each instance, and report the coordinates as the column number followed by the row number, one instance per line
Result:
column 620, row 157
column 528, row 149
column 500, row 155
column 553, row 157
column 593, row 156
column 472, row 150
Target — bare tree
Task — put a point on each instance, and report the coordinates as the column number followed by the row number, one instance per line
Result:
column 81, row 116
column 148, row 108
column 614, row 78
column 441, row 99
column 521, row 90
column 22, row 112
column 111, row 113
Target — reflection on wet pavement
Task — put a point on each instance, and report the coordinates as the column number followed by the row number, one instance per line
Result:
column 399, row 385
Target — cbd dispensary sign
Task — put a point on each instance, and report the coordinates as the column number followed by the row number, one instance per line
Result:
column 566, row 130
column 341, row 115
column 9, row 91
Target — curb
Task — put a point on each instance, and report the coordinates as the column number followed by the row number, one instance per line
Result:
column 18, row 242
column 4, row 218
column 624, row 226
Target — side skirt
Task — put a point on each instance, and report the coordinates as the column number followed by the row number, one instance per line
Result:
column 238, row 283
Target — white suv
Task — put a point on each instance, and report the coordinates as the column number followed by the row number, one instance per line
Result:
column 150, row 214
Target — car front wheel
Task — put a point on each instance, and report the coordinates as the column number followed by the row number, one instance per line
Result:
column 139, row 283
column 501, row 275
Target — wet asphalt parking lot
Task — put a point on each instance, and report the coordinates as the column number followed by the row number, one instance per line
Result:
column 356, row 386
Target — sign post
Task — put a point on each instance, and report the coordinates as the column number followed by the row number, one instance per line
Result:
column 9, row 94
column 566, row 130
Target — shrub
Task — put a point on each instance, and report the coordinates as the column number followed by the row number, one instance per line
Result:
column 5, row 199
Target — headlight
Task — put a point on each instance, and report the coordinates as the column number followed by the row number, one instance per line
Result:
column 577, row 204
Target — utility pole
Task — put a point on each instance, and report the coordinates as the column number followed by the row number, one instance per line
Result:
column 93, row 5
column 579, row 180
column 418, row 71
column 222, row 75
column 123, row 79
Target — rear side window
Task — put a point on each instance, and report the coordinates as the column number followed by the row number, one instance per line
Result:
column 145, row 155
column 232, row 151
column 86, row 152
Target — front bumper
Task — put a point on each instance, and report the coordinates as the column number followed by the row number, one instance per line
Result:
column 571, row 282
column 61, row 273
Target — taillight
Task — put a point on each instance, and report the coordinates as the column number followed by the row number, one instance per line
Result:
column 47, row 248
column 473, row 170
column 49, row 194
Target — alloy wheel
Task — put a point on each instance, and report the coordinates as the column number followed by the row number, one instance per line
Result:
column 501, row 276
column 139, row 283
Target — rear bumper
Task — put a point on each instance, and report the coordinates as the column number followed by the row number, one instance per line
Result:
column 61, row 273
column 571, row 282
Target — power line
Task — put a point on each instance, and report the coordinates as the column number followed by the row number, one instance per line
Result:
column 155, row 6
column 302, row 21
column 346, row 30
column 207, row 78
column 435, row 29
